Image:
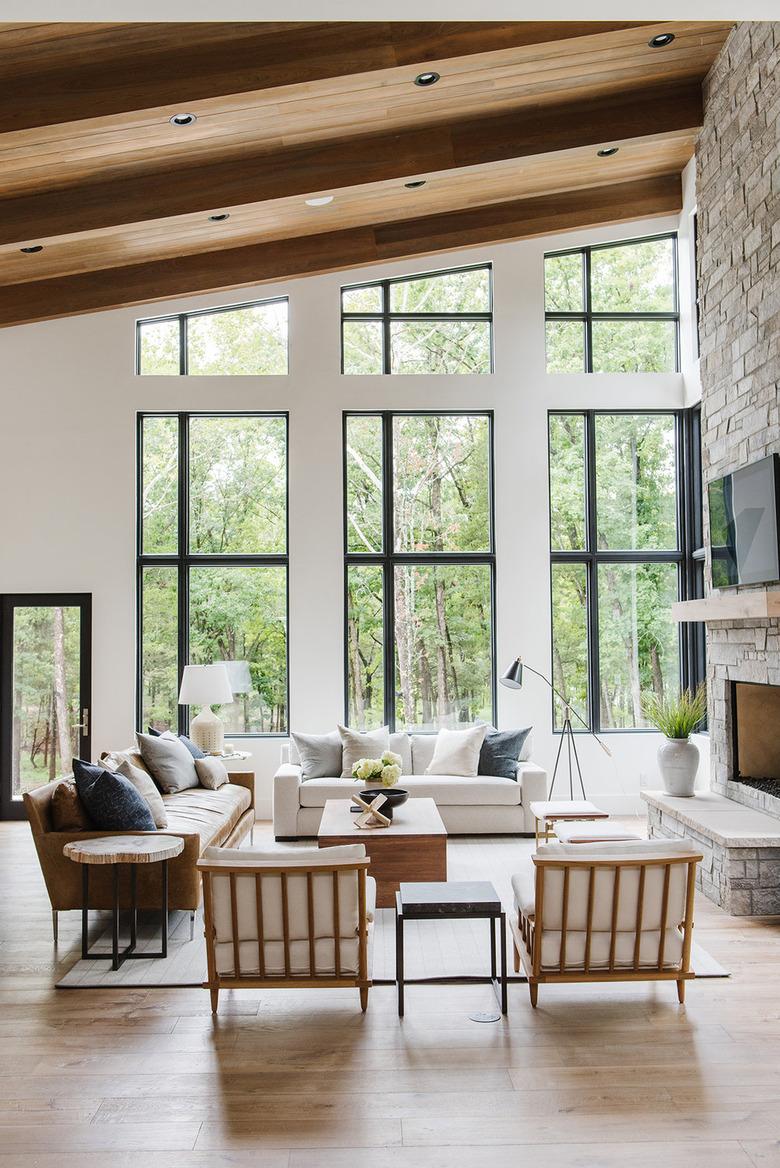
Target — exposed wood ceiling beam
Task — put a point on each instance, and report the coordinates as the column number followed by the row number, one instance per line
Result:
column 259, row 263
column 329, row 166
column 54, row 73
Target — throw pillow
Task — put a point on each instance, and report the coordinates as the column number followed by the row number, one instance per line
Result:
column 457, row 752
column 356, row 745
column 67, row 811
column 211, row 772
column 146, row 788
column 319, row 754
column 500, row 753
column 170, row 763
column 194, row 750
column 112, row 803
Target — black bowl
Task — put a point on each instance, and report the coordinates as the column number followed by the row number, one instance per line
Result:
column 395, row 797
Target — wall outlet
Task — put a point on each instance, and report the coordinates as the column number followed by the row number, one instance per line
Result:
column 644, row 780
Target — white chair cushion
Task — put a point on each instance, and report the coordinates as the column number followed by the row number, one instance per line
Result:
column 283, row 855
column 446, row 790
column 600, row 831
column 652, row 849
column 600, row 946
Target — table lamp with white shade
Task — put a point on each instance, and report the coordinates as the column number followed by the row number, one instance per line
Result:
column 206, row 686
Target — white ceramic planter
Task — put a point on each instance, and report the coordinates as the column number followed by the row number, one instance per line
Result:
column 678, row 762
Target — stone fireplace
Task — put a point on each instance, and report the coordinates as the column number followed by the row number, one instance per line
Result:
column 737, row 824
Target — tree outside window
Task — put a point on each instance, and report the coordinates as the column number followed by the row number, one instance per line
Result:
column 419, row 569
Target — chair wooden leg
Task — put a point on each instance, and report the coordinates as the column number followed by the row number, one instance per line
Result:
column 55, row 924
column 364, row 998
column 516, row 957
column 681, row 990
column 214, row 992
column 533, row 989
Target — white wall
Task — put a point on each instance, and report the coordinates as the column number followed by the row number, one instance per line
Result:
column 67, row 449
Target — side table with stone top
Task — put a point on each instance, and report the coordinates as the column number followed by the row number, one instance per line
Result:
column 132, row 850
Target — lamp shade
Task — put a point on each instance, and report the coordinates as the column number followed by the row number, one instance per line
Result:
column 205, row 685
column 513, row 678
column 239, row 676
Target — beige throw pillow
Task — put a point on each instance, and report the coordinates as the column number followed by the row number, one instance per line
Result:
column 212, row 773
column 457, row 752
column 355, row 745
column 145, row 786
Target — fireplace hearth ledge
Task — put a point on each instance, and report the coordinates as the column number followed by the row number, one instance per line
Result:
column 740, row 871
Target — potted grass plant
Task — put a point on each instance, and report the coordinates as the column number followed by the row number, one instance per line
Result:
column 677, row 718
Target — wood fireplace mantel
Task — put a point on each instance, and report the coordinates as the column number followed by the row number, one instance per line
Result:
column 760, row 604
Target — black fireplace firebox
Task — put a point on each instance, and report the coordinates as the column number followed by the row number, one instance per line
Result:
column 755, row 722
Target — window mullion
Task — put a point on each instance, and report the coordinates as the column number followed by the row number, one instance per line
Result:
column 388, row 539
column 183, row 552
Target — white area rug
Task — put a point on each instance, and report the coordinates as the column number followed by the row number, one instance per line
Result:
column 432, row 949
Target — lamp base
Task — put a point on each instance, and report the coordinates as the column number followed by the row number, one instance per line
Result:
column 208, row 732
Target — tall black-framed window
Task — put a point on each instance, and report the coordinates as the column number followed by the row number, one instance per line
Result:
column 431, row 322
column 248, row 340
column 613, row 307
column 419, row 573
column 624, row 547
column 212, row 564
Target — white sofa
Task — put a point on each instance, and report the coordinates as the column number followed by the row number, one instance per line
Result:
column 485, row 805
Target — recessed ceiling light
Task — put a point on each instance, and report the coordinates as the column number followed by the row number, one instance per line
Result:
column 427, row 78
column 418, row 182
column 661, row 40
column 220, row 218
column 319, row 201
column 32, row 249
column 607, row 151
column 183, row 119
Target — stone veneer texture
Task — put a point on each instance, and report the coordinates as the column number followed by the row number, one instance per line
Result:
column 738, row 206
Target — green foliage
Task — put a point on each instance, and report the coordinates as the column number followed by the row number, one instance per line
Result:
column 245, row 341
column 630, row 278
column 635, row 511
column 238, row 505
column 421, row 346
column 443, row 623
column 676, row 717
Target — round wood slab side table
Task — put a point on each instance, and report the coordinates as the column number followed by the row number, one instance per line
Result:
column 132, row 850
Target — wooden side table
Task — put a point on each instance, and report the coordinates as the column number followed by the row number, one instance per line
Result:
column 547, row 812
column 455, row 900
column 116, row 850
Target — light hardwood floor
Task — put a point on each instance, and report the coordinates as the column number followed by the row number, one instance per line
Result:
column 595, row 1078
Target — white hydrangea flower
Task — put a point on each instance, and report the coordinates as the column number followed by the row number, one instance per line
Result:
column 390, row 775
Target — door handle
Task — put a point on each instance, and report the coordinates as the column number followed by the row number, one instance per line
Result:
column 83, row 725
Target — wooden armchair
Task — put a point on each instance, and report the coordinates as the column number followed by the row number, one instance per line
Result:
column 288, row 918
column 606, row 912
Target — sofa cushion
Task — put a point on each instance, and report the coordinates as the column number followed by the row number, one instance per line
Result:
column 211, row 772
column 318, row 755
column 446, row 790
column 501, row 750
column 356, row 744
column 212, row 814
column 146, row 788
column 423, row 746
column 401, row 744
column 170, row 763
column 457, row 752
column 112, row 802
column 66, row 809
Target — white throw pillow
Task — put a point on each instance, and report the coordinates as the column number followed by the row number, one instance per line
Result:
column 355, row 745
column 212, row 773
column 457, row 752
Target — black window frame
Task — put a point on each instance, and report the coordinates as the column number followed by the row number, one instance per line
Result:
column 688, row 556
column 183, row 559
column 385, row 316
column 587, row 316
column 184, row 317
column 388, row 559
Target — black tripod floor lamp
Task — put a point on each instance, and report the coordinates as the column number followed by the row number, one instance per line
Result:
column 513, row 679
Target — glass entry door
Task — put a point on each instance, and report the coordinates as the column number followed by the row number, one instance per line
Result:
column 45, row 691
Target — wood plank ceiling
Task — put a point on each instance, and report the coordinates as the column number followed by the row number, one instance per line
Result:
column 114, row 204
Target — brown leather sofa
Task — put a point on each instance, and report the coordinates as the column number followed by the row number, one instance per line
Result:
column 202, row 818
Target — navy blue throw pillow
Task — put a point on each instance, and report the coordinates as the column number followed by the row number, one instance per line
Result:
column 500, row 752
column 111, row 800
column 194, row 750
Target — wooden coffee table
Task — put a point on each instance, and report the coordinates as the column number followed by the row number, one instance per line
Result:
column 413, row 848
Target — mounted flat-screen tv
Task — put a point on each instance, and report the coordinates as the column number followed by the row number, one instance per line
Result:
column 745, row 524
